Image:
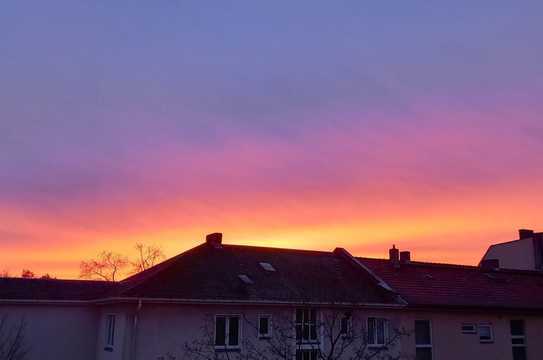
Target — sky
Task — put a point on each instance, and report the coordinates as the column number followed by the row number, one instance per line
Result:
column 300, row 124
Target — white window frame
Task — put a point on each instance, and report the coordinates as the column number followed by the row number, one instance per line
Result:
column 374, row 342
column 473, row 331
column 268, row 335
column 309, row 343
column 426, row 346
column 226, row 345
column 515, row 337
column 110, row 326
column 491, row 330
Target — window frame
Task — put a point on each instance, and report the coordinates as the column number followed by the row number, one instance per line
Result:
column 375, row 344
column 312, row 350
column 227, row 346
column 491, row 331
column 430, row 345
column 309, row 342
column 475, row 330
column 110, row 325
column 268, row 335
column 515, row 337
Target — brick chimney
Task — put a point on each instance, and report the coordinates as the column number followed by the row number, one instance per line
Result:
column 214, row 239
column 405, row 257
column 394, row 255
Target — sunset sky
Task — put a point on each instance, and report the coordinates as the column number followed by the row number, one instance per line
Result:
column 304, row 124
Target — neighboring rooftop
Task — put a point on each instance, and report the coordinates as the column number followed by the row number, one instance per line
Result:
column 52, row 289
column 214, row 271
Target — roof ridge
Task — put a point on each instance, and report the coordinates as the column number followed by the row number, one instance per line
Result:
column 459, row 266
column 276, row 248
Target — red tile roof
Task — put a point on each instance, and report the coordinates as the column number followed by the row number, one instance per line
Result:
column 428, row 284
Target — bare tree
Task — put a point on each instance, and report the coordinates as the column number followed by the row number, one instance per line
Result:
column 27, row 274
column 148, row 256
column 12, row 346
column 106, row 266
column 334, row 335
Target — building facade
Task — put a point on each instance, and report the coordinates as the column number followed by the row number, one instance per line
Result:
column 220, row 301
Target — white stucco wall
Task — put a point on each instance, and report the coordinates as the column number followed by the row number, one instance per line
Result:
column 72, row 332
column 57, row 332
column 449, row 343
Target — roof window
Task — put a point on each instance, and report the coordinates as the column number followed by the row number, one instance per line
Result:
column 245, row 279
column 267, row 266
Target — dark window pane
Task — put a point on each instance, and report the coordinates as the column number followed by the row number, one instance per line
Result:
column 220, row 331
column 380, row 331
column 233, row 331
column 371, row 330
column 519, row 353
column 263, row 326
column 485, row 333
column 299, row 332
column 517, row 341
column 299, row 316
column 517, row 327
column 110, row 330
column 422, row 332
column 313, row 330
column 424, row 354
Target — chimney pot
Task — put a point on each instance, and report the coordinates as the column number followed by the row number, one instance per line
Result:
column 525, row 233
column 394, row 255
column 214, row 239
column 405, row 256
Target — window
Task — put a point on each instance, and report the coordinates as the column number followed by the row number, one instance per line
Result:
column 486, row 334
column 423, row 340
column 227, row 330
column 469, row 328
column 518, row 339
column 307, row 354
column 306, row 325
column 264, row 326
column 345, row 325
column 267, row 266
column 377, row 331
column 110, row 332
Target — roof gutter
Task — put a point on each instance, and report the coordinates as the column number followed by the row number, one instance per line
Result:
column 245, row 302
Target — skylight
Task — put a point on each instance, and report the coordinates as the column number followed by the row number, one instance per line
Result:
column 246, row 279
column 267, row 266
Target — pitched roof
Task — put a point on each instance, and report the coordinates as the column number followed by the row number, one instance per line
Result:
column 52, row 289
column 428, row 284
column 213, row 272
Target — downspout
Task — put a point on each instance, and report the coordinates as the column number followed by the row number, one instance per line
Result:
column 135, row 329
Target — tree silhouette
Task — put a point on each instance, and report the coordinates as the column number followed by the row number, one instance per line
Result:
column 28, row 274
column 341, row 336
column 148, row 256
column 106, row 266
